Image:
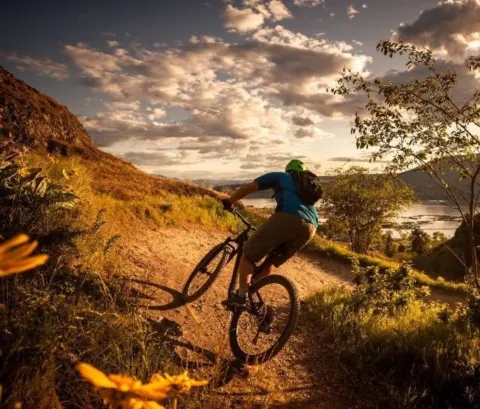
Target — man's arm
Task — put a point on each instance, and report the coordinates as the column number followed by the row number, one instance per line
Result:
column 267, row 181
column 243, row 191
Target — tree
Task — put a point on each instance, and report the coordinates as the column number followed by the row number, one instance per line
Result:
column 363, row 203
column 438, row 238
column 420, row 241
column 420, row 124
column 389, row 247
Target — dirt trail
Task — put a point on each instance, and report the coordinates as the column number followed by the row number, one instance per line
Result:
column 303, row 375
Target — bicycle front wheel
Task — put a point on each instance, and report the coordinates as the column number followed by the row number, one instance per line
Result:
column 261, row 331
column 206, row 272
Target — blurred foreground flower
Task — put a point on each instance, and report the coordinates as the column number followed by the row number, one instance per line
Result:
column 178, row 383
column 125, row 392
column 14, row 255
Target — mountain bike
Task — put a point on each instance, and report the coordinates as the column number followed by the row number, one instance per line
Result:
column 259, row 332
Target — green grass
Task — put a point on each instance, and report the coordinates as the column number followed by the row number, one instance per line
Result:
column 339, row 252
column 424, row 354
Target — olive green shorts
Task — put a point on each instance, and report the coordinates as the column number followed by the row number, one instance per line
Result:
column 284, row 231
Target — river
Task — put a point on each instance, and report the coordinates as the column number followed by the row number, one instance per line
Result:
column 432, row 216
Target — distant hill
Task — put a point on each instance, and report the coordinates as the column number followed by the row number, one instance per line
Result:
column 426, row 189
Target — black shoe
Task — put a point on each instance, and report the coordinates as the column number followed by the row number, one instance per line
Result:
column 235, row 302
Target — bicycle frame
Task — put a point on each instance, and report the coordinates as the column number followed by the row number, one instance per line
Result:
column 240, row 239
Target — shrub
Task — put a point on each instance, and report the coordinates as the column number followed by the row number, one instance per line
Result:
column 386, row 290
column 420, row 241
column 425, row 354
column 363, row 202
column 29, row 201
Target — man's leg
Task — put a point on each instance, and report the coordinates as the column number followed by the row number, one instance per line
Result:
column 267, row 270
column 245, row 271
column 269, row 235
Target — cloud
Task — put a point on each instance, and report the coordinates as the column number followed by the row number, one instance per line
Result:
column 242, row 20
column 243, row 95
column 253, row 14
column 109, row 34
column 40, row 66
column 270, row 161
column 312, row 132
column 94, row 64
column 302, row 121
column 112, row 43
column 157, row 159
column 452, row 26
column 361, row 159
column 364, row 6
column 274, row 161
column 215, row 147
column 279, row 10
column 156, row 113
column 351, row 11
column 308, row 3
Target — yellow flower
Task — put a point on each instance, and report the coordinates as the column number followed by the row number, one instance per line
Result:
column 178, row 383
column 96, row 377
column 125, row 392
column 14, row 256
column 141, row 404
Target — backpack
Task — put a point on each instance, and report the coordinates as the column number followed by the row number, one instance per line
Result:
column 308, row 186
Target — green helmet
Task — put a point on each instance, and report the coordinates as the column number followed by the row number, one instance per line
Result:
column 296, row 165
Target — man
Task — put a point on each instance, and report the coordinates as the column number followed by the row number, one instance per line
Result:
column 292, row 226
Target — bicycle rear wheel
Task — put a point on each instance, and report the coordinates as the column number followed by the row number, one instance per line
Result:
column 206, row 272
column 259, row 333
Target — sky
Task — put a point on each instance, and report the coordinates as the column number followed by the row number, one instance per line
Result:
column 223, row 89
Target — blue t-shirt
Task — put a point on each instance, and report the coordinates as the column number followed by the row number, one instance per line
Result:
column 288, row 201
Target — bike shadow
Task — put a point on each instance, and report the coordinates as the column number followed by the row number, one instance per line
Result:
column 170, row 334
column 176, row 299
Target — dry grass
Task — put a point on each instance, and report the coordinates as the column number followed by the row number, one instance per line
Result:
column 120, row 180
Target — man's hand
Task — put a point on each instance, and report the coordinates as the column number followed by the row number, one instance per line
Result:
column 227, row 204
